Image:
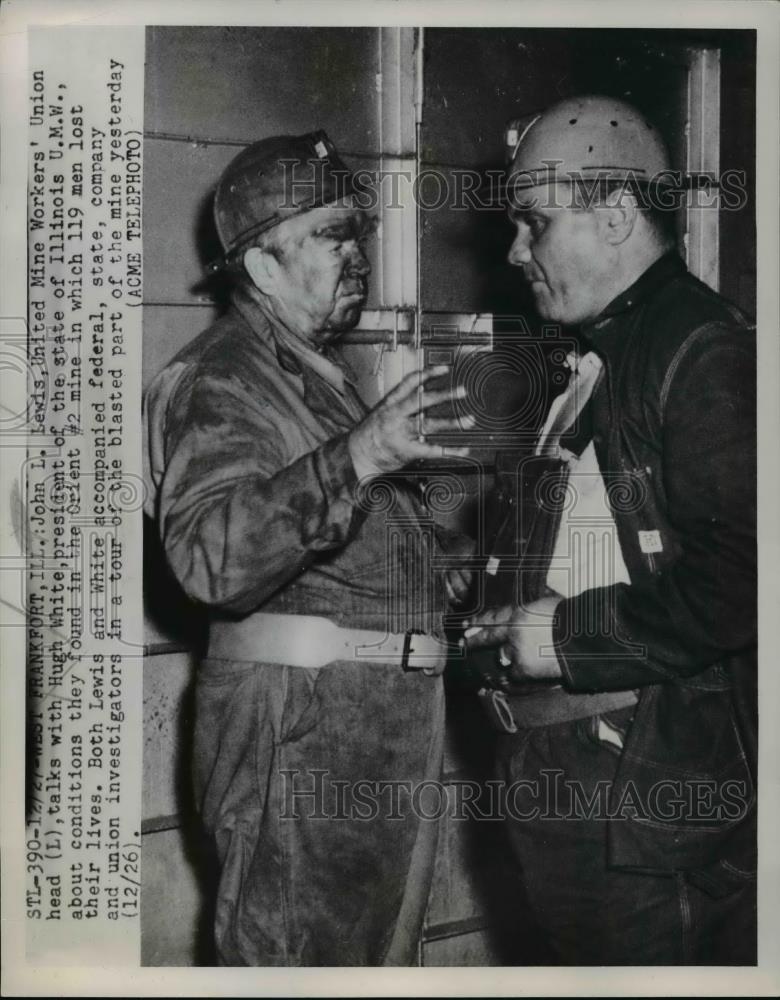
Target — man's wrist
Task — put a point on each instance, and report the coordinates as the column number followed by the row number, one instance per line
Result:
column 545, row 665
column 363, row 466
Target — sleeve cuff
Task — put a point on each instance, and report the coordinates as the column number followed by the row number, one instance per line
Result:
column 337, row 472
column 593, row 658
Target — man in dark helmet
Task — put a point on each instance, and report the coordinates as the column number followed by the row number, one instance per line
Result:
column 627, row 701
column 321, row 684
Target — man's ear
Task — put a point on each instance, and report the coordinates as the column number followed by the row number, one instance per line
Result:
column 619, row 216
column 262, row 267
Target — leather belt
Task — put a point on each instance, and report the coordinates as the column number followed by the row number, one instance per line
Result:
column 312, row 641
column 510, row 713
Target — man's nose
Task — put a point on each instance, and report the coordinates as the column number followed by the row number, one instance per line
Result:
column 520, row 251
column 357, row 262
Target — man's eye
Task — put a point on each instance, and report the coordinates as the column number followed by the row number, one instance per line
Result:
column 331, row 242
column 337, row 243
column 335, row 239
column 535, row 223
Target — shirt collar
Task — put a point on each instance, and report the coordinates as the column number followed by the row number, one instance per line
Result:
column 294, row 354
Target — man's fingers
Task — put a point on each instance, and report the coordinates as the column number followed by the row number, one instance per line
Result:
column 437, row 425
column 414, row 398
column 504, row 615
column 493, row 635
column 408, row 385
column 458, row 583
column 491, row 627
column 419, row 450
column 451, row 595
column 436, row 397
column 462, row 578
column 411, row 383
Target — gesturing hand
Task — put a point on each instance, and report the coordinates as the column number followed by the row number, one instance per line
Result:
column 389, row 437
column 524, row 636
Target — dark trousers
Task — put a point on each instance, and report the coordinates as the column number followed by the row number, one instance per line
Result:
column 292, row 773
column 592, row 914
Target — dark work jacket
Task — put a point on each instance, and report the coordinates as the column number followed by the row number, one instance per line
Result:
column 673, row 424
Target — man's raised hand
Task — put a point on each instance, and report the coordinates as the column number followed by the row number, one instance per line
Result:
column 390, row 437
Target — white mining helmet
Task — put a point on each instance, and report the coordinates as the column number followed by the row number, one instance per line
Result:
column 585, row 137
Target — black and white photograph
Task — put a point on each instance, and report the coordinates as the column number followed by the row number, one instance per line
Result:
column 578, row 328
column 390, row 437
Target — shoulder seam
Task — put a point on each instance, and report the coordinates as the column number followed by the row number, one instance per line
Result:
column 680, row 353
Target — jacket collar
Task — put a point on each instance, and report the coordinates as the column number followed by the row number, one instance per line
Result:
column 660, row 272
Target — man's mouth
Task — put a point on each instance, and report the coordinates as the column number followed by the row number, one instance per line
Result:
column 354, row 292
column 354, row 284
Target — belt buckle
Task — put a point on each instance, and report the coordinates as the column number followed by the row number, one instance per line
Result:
column 407, row 649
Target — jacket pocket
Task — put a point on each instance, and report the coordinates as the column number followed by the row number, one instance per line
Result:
column 648, row 541
column 685, row 774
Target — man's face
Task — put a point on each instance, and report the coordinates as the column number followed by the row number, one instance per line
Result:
column 321, row 282
column 562, row 253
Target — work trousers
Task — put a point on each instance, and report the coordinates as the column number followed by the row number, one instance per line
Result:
column 294, row 770
column 590, row 913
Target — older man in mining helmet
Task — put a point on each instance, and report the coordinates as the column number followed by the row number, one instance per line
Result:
column 624, row 676
column 320, row 699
